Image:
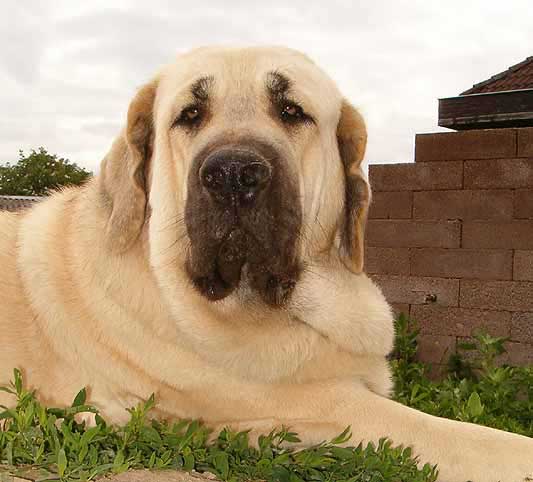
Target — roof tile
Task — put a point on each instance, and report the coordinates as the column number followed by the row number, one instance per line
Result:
column 517, row 77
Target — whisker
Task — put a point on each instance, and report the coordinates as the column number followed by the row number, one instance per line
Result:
column 173, row 222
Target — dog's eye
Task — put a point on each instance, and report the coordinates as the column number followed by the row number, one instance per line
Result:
column 292, row 112
column 190, row 116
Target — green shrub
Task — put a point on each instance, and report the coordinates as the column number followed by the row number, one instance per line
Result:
column 38, row 173
column 475, row 389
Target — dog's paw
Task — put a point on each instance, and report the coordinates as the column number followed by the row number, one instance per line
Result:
column 88, row 418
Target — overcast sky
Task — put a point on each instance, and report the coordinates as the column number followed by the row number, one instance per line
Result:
column 69, row 68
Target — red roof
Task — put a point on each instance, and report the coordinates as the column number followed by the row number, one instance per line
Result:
column 517, row 77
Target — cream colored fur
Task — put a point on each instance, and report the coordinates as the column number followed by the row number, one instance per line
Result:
column 93, row 290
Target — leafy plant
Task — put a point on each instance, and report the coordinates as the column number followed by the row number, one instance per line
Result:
column 39, row 172
column 54, row 442
column 475, row 389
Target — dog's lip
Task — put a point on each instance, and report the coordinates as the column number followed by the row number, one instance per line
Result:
column 231, row 256
column 235, row 263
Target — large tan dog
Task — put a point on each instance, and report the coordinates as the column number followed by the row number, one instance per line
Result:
column 216, row 261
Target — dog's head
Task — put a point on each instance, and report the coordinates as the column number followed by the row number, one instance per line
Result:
column 241, row 166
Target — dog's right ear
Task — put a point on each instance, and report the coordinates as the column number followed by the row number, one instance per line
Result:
column 122, row 175
column 351, row 137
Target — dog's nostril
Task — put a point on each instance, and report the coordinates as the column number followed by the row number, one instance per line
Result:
column 254, row 174
column 213, row 179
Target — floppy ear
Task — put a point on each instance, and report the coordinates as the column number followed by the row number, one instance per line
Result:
column 351, row 137
column 122, row 176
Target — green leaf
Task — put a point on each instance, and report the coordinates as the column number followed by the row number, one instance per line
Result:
column 221, row 464
column 280, row 474
column 151, row 435
column 188, row 462
column 18, row 380
column 150, row 403
column 89, row 435
column 118, row 461
column 84, row 450
column 474, row 406
column 290, row 437
column 80, row 398
column 62, row 462
column 7, row 414
column 343, row 437
column 467, row 346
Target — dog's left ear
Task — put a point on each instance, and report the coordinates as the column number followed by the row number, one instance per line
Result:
column 122, row 175
column 351, row 138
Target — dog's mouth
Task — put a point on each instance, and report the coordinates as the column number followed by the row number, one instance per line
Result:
column 240, row 259
column 243, row 219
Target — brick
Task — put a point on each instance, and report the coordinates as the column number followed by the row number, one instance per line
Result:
column 492, row 235
column 387, row 260
column 416, row 177
column 523, row 265
column 462, row 263
column 523, row 204
column 520, row 354
column 391, row 205
column 466, row 205
column 522, row 327
column 475, row 144
column 525, row 142
column 398, row 308
column 417, row 234
column 435, row 348
column 497, row 295
column 452, row 321
column 417, row 290
column 498, row 174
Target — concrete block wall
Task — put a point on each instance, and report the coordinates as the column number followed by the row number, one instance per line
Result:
column 450, row 238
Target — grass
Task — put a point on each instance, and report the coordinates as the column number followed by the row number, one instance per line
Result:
column 52, row 441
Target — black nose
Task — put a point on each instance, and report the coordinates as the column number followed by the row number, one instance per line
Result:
column 235, row 172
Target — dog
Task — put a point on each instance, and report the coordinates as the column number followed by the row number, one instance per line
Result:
column 216, row 260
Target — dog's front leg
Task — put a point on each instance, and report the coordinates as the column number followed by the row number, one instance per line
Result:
column 463, row 451
column 319, row 412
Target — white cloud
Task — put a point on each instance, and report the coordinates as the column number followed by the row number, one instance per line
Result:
column 69, row 68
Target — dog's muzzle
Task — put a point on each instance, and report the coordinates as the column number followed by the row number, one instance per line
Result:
column 243, row 220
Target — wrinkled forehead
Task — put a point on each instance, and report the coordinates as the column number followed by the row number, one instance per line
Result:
column 247, row 73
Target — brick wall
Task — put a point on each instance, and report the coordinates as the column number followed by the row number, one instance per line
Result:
column 450, row 238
